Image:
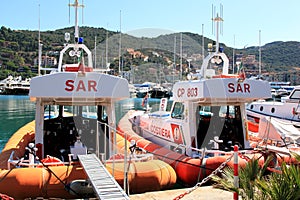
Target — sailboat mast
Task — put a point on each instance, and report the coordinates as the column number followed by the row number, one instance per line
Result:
column 233, row 56
column 106, row 51
column 174, row 65
column 120, row 45
column 203, row 42
column 259, row 51
column 40, row 46
column 95, row 54
column 180, row 78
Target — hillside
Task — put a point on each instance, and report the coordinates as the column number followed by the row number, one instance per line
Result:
column 19, row 49
column 278, row 56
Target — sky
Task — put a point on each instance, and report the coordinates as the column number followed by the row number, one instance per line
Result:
column 246, row 23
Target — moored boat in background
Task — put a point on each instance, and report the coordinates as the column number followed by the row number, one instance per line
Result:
column 15, row 86
column 287, row 109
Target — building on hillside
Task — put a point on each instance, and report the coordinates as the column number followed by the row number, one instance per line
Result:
column 292, row 76
column 49, row 61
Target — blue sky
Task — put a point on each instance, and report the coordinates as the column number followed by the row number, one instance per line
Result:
column 277, row 20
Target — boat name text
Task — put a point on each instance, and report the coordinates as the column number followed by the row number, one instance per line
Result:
column 90, row 86
column 232, row 88
column 190, row 92
column 160, row 131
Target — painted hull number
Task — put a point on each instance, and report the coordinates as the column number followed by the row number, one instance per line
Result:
column 190, row 92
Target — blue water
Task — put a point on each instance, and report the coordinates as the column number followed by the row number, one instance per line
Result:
column 16, row 111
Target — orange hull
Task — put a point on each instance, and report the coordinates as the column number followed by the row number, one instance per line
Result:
column 22, row 183
column 188, row 170
column 191, row 170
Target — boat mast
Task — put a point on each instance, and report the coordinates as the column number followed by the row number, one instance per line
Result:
column 78, row 44
column 217, row 20
column 76, row 5
column 215, row 55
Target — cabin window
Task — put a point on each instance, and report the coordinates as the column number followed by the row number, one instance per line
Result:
column 222, row 122
column 89, row 112
column 178, row 111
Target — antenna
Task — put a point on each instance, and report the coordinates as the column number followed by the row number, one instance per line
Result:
column 82, row 11
column 221, row 15
column 213, row 14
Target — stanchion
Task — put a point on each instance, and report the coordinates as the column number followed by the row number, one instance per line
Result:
column 236, row 172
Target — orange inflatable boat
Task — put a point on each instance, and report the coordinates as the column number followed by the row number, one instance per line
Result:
column 61, row 180
column 192, row 170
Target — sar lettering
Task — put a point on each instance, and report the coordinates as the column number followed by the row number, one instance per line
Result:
column 238, row 88
column 90, row 86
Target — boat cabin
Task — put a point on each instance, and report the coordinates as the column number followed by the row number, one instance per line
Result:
column 211, row 112
column 85, row 102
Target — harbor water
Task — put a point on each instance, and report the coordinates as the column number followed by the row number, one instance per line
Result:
column 16, row 111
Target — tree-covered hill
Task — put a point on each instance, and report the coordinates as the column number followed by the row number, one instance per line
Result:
column 19, row 49
column 278, row 55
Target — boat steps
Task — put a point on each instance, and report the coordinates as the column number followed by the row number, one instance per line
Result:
column 104, row 184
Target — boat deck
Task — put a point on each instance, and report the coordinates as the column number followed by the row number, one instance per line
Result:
column 104, row 184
